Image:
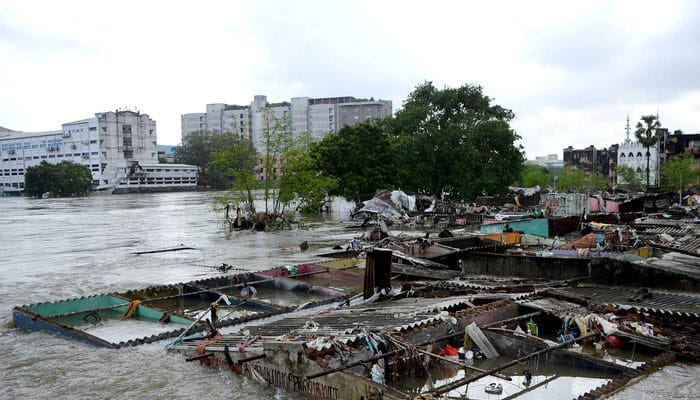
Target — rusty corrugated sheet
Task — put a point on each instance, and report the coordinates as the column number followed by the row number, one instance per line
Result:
column 564, row 204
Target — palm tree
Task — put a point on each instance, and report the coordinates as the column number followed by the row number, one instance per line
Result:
column 648, row 134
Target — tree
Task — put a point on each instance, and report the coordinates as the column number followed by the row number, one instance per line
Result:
column 277, row 140
column 648, row 134
column 572, row 180
column 534, row 175
column 678, row 172
column 199, row 148
column 597, row 182
column 66, row 179
column 361, row 157
column 301, row 178
column 455, row 141
column 236, row 162
column 630, row 178
column 196, row 149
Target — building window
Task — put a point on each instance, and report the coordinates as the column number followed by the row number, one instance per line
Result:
column 128, row 154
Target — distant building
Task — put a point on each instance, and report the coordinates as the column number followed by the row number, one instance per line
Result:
column 318, row 117
column 590, row 159
column 110, row 144
column 633, row 154
column 679, row 143
column 548, row 161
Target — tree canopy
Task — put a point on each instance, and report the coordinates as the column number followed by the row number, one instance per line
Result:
column 455, row 140
column 66, row 179
column 361, row 157
column 535, row 175
column 201, row 147
column 678, row 173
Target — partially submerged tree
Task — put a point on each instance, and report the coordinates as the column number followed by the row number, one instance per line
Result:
column 66, row 179
column 648, row 134
column 455, row 140
column 301, row 178
column 277, row 140
column 236, row 161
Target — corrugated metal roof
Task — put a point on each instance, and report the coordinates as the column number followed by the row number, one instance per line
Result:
column 559, row 308
column 686, row 304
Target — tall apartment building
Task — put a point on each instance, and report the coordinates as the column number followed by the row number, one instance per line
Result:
column 108, row 144
column 318, row 117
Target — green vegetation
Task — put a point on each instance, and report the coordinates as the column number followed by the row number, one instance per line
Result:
column 576, row 180
column 679, row 172
column 361, row 157
column 302, row 180
column 201, row 147
column 631, row 178
column 456, row 141
column 535, row 175
column 66, row 179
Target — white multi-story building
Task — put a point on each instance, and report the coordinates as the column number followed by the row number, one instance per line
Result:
column 318, row 117
column 109, row 144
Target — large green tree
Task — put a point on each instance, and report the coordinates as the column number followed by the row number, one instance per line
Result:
column 455, row 140
column 361, row 157
column 648, row 134
column 66, row 179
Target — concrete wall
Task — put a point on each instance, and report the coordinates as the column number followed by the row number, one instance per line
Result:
column 525, row 266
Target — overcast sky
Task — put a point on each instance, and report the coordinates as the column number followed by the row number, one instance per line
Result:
column 570, row 70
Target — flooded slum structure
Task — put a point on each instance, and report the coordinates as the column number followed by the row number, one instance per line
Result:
column 358, row 351
column 439, row 253
column 341, row 347
column 646, row 329
column 671, row 258
column 381, row 350
column 161, row 312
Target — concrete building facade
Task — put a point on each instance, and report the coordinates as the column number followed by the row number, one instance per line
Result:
column 108, row 144
column 318, row 117
column 633, row 155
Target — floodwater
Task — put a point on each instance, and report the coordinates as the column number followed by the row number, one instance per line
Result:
column 54, row 249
